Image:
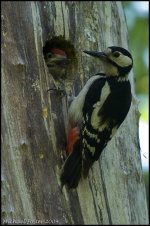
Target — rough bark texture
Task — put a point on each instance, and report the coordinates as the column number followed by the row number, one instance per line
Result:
column 34, row 122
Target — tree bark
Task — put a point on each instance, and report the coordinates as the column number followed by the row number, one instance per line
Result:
column 34, row 122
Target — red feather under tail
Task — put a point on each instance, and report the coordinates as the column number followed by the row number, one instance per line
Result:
column 72, row 139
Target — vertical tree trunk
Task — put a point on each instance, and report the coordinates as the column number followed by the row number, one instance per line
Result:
column 34, row 122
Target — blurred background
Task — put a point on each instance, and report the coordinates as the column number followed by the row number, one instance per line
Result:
column 137, row 13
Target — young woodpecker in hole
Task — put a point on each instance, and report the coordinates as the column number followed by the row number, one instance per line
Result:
column 57, row 62
column 97, row 112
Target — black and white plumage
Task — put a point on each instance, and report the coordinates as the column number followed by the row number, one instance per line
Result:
column 98, row 111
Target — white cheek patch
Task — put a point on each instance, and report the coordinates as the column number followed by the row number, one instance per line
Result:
column 122, row 60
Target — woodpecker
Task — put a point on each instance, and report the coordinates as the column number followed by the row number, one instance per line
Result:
column 97, row 112
column 57, row 62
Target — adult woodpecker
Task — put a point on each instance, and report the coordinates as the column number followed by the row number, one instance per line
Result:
column 97, row 112
column 57, row 62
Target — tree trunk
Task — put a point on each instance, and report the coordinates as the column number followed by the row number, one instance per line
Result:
column 34, row 121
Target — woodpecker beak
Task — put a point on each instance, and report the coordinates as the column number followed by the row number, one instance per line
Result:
column 100, row 55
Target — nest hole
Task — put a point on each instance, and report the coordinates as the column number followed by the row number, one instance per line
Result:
column 67, row 49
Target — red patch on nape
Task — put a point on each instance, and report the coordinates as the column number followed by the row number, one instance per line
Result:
column 58, row 51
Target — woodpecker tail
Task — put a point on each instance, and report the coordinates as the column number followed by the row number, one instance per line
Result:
column 71, row 171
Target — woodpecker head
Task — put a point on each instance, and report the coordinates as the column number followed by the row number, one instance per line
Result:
column 57, row 62
column 117, row 61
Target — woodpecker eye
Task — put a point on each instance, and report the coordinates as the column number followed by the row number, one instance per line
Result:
column 116, row 54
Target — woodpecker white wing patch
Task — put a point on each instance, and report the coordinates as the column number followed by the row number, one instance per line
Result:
column 91, row 135
column 89, row 147
column 95, row 118
column 75, row 110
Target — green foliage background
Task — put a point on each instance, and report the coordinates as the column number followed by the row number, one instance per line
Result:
column 137, row 21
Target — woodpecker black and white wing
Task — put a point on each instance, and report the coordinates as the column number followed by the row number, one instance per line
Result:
column 103, row 113
column 76, row 107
